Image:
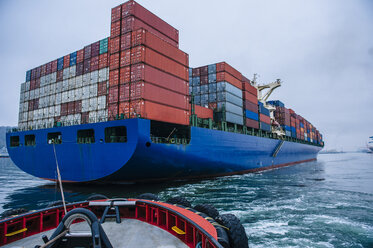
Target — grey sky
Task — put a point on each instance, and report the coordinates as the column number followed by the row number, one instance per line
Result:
column 322, row 50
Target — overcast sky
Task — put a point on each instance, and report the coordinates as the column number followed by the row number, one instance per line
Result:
column 321, row 50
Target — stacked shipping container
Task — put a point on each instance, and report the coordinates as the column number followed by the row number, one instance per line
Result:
column 250, row 103
column 218, row 87
column 70, row 89
column 148, row 73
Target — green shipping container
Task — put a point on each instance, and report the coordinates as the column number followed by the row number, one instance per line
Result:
column 104, row 45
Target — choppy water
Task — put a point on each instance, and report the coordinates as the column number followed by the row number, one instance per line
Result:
column 328, row 203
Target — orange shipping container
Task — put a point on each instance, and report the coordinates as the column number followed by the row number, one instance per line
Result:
column 224, row 76
column 203, row 112
column 265, row 119
column 114, row 61
column 247, row 96
column 125, row 75
column 151, row 92
column 142, row 54
column 114, row 45
column 124, row 92
column 154, row 111
column 223, row 66
column 103, row 61
column 114, row 78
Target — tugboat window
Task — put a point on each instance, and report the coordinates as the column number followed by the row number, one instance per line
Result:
column 54, row 138
column 86, row 136
column 30, row 140
column 115, row 134
column 14, row 141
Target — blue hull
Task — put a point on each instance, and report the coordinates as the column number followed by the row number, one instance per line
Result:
column 210, row 153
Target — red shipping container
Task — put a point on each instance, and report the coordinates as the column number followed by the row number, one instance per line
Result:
column 102, row 89
column 143, row 72
column 131, row 23
column 95, row 49
column 249, row 97
column 253, row 107
column 125, row 75
column 132, row 8
column 203, row 112
column 54, row 66
column 124, row 92
column 114, row 78
column 94, row 63
column 115, row 29
column 245, row 80
column 143, row 37
column 196, row 72
column 38, row 72
column 43, row 70
column 154, row 111
column 86, row 66
column 148, row 91
column 204, row 70
column 224, row 76
column 248, row 87
column 48, row 68
column 32, row 84
column 112, row 111
column 124, row 108
column 85, row 117
column 87, row 52
column 116, row 13
column 64, row 109
column 204, row 79
column 59, row 76
column 126, row 41
column 114, row 61
column 80, row 56
column 66, row 61
column 223, row 66
column 31, row 105
column 142, row 54
column 113, row 95
column 37, row 83
column 125, row 58
column 78, row 107
column 265, row 119
column 71, row 108
column 103, row 61
column 114, row 45
column 252, row 123
column 36, row 103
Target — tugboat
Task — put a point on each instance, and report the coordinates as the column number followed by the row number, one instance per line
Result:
column 143, row 222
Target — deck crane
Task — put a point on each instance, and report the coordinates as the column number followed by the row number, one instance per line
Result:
column 263, row 99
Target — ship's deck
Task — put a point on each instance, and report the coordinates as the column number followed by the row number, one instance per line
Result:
column 129, row 233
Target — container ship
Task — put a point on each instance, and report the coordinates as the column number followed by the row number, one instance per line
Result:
column 128, row 108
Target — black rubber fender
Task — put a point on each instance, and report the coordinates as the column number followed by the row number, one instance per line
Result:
column 11, row 212
column 208, row 209
column 236, row 232
column 179, row 201
column 148, row 196
column 97, row 197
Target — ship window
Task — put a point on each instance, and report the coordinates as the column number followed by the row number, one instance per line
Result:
column 30, row 140
column 14, row 141
column 54, row 138
column 115, row 134
column 86, row 136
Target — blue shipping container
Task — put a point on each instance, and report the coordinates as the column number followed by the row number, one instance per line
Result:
column 276, row 103
column 190, row 73
column 293, row 130
column 225, row 86
column 196, row 81
column 265, row 126
column 287, row 128
column 229, row 107
column 212, row 68
column 251, row 115
column 288, row 133
column 301, row 124
column 73, row 59
column 212, row 78
column 28, row 75
column 228, row 97
column 60, row 64
column 263, row 110
column 212, row 88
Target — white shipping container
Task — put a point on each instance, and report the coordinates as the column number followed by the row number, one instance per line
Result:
column 77, row 119
column 93, row 104
column 52, row 100
column 92, row 117
column 32, row 93
column 72, row 83
column 71, row 96
column 30, row 115
column 23, row 87
column 86, row 79
column 101, row 102
column 57, row 110
column 65, row 85
column 101, row 115
column 37, row 93
column 45, row 113
column 27, row 96
column 72, row 71
column 47, row 90
column 52, row 89
column 51, row 111
column 93, row 90
column 25, row 107
column 22, row 97
column 42, row 81
column 53, row 77
column 39, row 113
column 59, row 87
column 42, row 92
column 78, row 94
column 79, row 81
column 58, row 98
column 85, row 92
column 85, row 105
column 66, row 73
column 47, row 79
column 102, row 75
column 27, row 86
column 94, row 77
column 65, row 97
